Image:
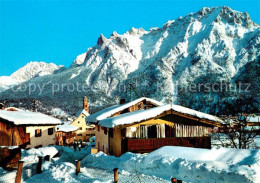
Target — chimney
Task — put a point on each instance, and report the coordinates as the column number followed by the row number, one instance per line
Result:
column 2, row 106
column 122, row 100
column 85, row 104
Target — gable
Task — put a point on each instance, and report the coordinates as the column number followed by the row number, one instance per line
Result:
column 79, row 121
column 144, row 104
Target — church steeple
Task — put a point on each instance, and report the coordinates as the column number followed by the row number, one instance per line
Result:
column 85, row 104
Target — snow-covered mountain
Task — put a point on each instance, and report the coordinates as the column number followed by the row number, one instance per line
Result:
column 195, row 61
column 31, row 70
column 7, row 82
column 35, row 69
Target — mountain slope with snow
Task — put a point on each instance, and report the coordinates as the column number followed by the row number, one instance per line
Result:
column 35, row 69
column 29, row 71
column 195, row 61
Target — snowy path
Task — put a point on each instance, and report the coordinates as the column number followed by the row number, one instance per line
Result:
column 65, row 172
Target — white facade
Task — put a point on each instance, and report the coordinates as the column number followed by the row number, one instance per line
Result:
column 47, row 136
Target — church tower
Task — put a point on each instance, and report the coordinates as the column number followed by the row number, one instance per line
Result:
column 85, row 104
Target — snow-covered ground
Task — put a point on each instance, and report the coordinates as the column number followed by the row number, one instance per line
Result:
column 187, row 164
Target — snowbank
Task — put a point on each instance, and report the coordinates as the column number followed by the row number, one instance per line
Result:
column 31, row 155
column 188, row 164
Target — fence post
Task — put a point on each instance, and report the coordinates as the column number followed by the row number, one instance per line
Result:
column 77, row 167
column 47, row 158
column 19, row 172
column 115, row 175
column 39, row 165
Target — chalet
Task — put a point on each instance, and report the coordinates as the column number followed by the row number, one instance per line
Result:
column 26, row 129
column 65, row 134
column 144, row 125
column 84, row 131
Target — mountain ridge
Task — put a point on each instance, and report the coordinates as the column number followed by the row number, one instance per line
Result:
column 209, row 46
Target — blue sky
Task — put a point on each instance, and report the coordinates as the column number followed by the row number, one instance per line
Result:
column 57, row 31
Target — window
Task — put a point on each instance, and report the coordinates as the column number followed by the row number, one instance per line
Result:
column 79, row 134
column 78, row 122
column 50, row 131
column 90, row 129
column 105, row 131
column 111, row 132
column 83, row 116
column 38, row 132
column 80, row 128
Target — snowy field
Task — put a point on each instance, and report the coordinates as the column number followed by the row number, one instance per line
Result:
column 187, row 164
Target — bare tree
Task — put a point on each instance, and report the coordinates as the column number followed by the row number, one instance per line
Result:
column 237, row 132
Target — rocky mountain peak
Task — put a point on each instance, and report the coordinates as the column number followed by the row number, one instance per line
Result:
column 210, row 46
column 101, row 39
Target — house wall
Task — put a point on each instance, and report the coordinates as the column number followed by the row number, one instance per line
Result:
column 101, row 140
column 44, row 139
column 115, row 142
column 58, row 138
column 12, row 135
column 68, row 136
column 180, row 128
column 85, row 132
column 9, row 157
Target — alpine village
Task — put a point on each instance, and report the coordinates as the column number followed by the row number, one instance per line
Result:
column 146, row 106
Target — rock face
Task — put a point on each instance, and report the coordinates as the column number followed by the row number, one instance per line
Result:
column 198, row 61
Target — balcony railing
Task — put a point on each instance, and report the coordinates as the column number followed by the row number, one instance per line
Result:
column 148, row 145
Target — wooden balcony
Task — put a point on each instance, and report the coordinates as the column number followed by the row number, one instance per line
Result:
column 69, row 136
column 148, row 145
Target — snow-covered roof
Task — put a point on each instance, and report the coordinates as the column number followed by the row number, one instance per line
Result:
column 250, row 118
column 254, row 119
column 65, row 128
column 28, row 118
column 82, row 111
column 105, row 113
column 9, row 147
column 13, row 108
column 141, row 115
column 195, row 113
